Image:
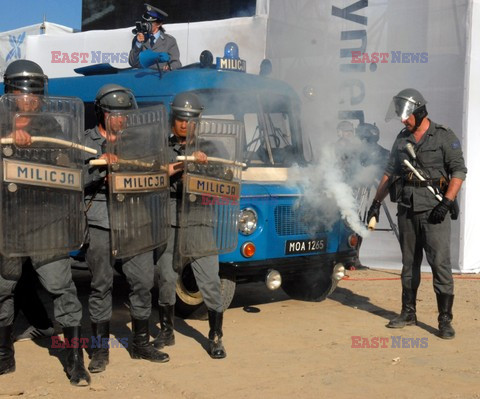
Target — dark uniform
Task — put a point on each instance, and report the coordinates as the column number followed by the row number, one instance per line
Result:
column 423, row 221
column 171, row 262
column 138, row 269
column 26, row 298
column 441, row 155
column 185, row 107
column 26, row 77
column 47, row 126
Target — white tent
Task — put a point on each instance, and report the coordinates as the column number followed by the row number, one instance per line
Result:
column 13, row 42
column 431, row 45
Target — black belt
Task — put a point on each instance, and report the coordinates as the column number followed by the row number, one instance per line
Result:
column 420, row 183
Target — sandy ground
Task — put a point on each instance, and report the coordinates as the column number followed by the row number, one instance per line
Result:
column 286, row 348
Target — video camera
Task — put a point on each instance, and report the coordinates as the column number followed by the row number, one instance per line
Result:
column 143, row 27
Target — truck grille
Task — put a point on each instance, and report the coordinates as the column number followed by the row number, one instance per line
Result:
column 288, row 222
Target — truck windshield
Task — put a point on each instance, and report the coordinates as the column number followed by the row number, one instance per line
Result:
column 273, row 134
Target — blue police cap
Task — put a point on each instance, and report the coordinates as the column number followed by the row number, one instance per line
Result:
column 154, row 14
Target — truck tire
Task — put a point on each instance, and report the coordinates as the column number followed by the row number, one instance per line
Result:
column 189, row 303
column 309, row 287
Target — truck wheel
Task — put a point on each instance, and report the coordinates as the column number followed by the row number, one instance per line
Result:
column 190, row 303
column 310, row 287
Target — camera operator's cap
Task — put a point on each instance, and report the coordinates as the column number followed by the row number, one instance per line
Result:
column 154, row 14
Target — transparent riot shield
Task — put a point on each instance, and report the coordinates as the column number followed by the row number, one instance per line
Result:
column 42, row 155
column 138, row 180
column 211, row 190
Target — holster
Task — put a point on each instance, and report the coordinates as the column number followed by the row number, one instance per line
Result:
column 395, row 187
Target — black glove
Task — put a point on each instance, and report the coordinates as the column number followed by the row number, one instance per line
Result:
column 374, row 211
column 440, row 211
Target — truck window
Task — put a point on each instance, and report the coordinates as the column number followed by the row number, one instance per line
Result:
column 272, row 129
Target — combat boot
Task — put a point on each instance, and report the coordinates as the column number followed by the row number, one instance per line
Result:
column 408, row 315
column 100, row 347
column 215, row 321
column 141, row 348
column 76, row 370
column 7, row 353
column 445, row 316
column 166, row 335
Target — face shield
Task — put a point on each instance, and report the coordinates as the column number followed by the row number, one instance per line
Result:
column 25, row 84
column 400, row 108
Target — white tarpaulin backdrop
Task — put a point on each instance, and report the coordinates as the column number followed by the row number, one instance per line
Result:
column 432, row 45
column 13, row 42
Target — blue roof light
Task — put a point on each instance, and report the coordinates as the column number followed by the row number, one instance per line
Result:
column 231, row 51
column 231, row 60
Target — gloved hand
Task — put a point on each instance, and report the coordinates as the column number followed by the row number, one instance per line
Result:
column 163, row 57
column 374, row 211
column 440, row 211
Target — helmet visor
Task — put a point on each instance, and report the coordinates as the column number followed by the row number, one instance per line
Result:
column 25, row 85
column 118, row 100
column 400, row 108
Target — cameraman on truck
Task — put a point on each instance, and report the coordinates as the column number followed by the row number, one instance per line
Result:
column 151, row 36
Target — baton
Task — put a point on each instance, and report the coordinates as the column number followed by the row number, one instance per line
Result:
column 103, row 162
column 65, row 143
column 213, row 159
column 420, row 177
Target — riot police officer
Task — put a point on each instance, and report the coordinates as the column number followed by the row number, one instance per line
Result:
column 139, row 269
column 26, row 297
column 373, row 153
column 27, row 78
column 364, row 152
column 186, row 107
column 435, row 151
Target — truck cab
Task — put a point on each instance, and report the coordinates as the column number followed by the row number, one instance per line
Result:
column 276, row 242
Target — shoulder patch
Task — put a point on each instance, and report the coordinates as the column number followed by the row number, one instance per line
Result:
column 456, row 145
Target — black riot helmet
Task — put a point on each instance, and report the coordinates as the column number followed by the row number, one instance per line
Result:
column 26, row 76
column 186, row 106
column 112, row 97
column 406, row 103
column 367, row 132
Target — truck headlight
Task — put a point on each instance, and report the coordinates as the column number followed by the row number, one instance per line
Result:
column 247, row 221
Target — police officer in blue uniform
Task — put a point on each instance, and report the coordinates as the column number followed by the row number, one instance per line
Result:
column 423, row 221
column 186, row 106
column 155, row 40
column 27, row 77
column 139, row 269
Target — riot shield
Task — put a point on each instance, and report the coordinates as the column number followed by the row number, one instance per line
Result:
column 211, row 190
column 42, row 211
column 138, row 180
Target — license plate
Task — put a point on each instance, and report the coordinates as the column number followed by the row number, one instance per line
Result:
column 293, row 247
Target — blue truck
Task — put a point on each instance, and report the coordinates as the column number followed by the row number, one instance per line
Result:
column 276, row 243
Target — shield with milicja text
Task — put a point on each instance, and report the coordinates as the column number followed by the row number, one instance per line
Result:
column 138, row 180
column 211, row 190
column 42, row 210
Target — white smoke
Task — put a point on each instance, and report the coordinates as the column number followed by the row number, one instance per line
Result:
column 332, row 186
